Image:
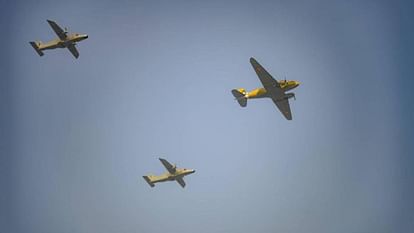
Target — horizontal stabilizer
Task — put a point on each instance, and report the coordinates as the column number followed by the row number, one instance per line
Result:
column 36, row 47
column 148, row 180
column 239, row 97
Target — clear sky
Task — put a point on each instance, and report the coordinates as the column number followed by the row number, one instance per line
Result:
column 154, row 79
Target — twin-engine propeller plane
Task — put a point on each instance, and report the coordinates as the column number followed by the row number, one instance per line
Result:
column 64, row 40
column 173, row 173
column 271, row 89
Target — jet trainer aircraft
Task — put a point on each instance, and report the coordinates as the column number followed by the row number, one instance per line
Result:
column 272, row 89
column 65, row 40
column 173, row 173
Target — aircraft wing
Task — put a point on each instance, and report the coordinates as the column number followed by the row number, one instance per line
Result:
column 267, row 80
column 168, row 166
column 61, row 34
column 181, row 181
column 73, row 50
column 284, row 107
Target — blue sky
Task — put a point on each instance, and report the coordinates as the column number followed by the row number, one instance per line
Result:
column 153, row 80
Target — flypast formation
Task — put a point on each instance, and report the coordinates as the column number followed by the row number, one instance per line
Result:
column 273, row 89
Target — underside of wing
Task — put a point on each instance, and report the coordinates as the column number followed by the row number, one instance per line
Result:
column 284, row 107
column 170, row 168
column 181, row 182
column 267, row 80
column 59, row 31
column 73, row 50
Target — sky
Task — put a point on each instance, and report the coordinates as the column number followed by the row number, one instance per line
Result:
column 154, row 79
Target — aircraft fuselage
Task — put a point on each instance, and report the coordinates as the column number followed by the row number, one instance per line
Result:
column 179, row 173
column 262, row 93
column 58, row 43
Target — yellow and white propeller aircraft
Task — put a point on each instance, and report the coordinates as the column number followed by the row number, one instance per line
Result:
column 173, row 173
column 271, row 89
column 65, row 40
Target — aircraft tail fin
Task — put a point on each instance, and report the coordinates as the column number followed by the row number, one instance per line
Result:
column 240, row 95
column 35, row 45
column 148, row 180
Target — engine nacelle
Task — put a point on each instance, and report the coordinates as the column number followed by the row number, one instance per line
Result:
column 289, row 95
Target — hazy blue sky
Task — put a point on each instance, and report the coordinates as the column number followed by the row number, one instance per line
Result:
column 154, row 79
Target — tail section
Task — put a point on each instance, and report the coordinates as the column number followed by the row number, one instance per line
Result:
column 36, row 45
column 240, row 95
column 148, row 180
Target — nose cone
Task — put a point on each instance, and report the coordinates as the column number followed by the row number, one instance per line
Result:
column 297, row 83
column 82, row 36
column 192, row 171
